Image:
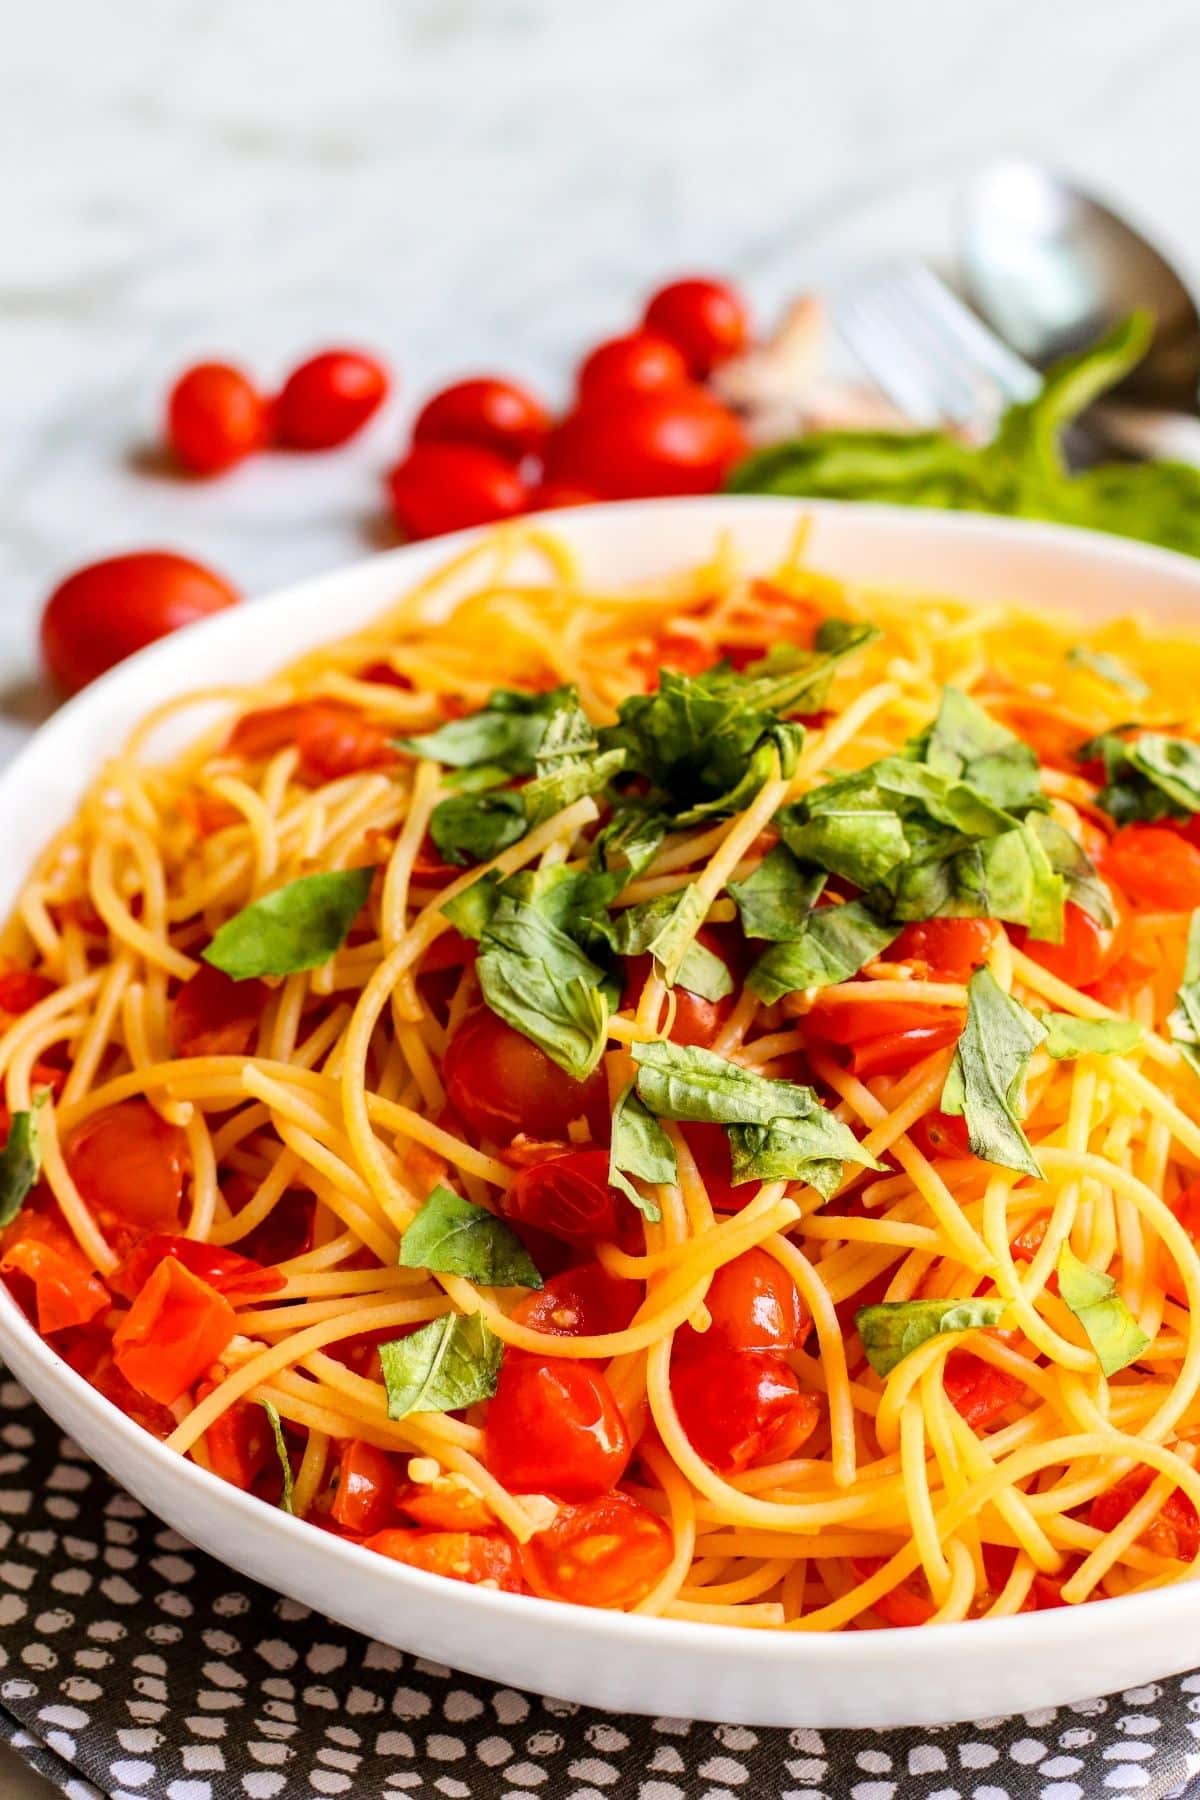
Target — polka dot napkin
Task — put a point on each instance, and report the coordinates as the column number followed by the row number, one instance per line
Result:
column 131, row 1666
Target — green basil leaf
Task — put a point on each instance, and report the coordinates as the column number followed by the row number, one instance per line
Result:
column 452, row 1236
column 965, row 744
column 1068, row 1037
column 446, row 1365
column 893, row 1329
column 986, row 1079
column 861, row 843
column 775, row 901
column 298, row 927
column 681, row 1081
column 631, row 839
column 1108, row 1324
column 506, row 733
column 1110, row 669
column 703, row 972
column 1068, row 859
column 836, row 942
column 470, row 911
column 1184, row 1022
column 1148, row 777
column 810, row 1149
column 1007, row 876
column 570, row 780
column 20, row 1160
column 541, row 983
column 641, row 1148
column 1171, row 764
column 287, row 1494
column 475, row 827
column 666, row 927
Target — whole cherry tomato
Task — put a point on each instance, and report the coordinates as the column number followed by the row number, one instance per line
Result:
column 950, row 949
column 215, row 418
column 494, row 415
column 105, row 612
column 364, row 1500
column 637, row 445
column 740, row 1407
column 328, row 398
column 475, row 1556
column 447, row 487
column 570, row 1197
column 755, row 1305
column 554, row 1428
column 1155, row 866
column 584, row 1301
column 499, row 1083
column 707, row 321
column 607, row 1552
column 212, row 1015
column 1087, row 951
column 697, row 1021
column 640, row 362
column 128, row 1162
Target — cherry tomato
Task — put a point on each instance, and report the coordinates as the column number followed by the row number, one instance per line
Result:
column 640, row 362
column 176, row 1328
column 950, row 949
column 637, row 445
column 608, row 1552
column 127, row 1161
column 854, row 1021
column 585, row 1301
column 740, row 1407
column 1087, row 951
column 710, row 1152
column 207, row 813
column 707, row 320
column 1175, row 1530
column 328, row 398
column 492, row 414
column 364, row 1500
column 899, row 1050
column 554, row 1428
column 697, row 1020
column 906, row 1605
column 215, row 418
column 66, row 1288
column 941, row 1134
column 89, row 1353
column 755, row 1305
column 262, row 733
column 212, row 1015
column 552, row 496
column 227, row 1271
column 448, row 1505
column 499, row 1082
column 570, row 1197
column 106, row 611
column 462, row 1555
column 22, row 988
column 1155, row 867
column 446, row 487
column 336, row 740
column 978, row 1391
column 240, row 1444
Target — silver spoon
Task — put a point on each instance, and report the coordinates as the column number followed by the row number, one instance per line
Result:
column 1050, row 269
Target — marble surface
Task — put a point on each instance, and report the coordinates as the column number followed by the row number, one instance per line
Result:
column 471, row 185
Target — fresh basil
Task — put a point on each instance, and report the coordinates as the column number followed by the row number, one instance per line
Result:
column 20, row 1160
column 452, row 1236
column 1109, row 668
column 574, row 779
column 505, row 735
column 1108, row 1324
column 965, row 744
column 1184, row 1022
column 450, row 1363
column 666, row 928
column 893, row 1329
column 631, row 839
column 836, row 942
column 539, row 981
column 1068, row 1037
column 811, row 1149
column 298, row 927
column 473, row 828
column 986, row 1080
column 1148, row 777
column 641, row 1148
column 775, row 900
column 288, row 1490
column 1069, row 859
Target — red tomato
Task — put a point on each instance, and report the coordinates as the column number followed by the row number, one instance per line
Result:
column 755, row 1305
column 89, row 1353
column 697, row 1020
column 240, row 1444
column 941, row 1134
column 262, row 733
column 207, row 813
column 608, row 1552
column 1155, row 866
column 908, row 1604
column 681, row 441
column 448, row 1506
column 212, row 1015
column 128, row 1161
column 174, row 1331
column 1087, row 950
column 853, row 1021
column 328, row 398
column 640, row 362
column 499, row 1083
column 551, row 496
column 710, row 1152
column 706, row 319
column 215, row 418
column 740, row 1407
column 492, row 414
column 22, row 988
column 585, row 1301
column 899, row 1050
column 364, row 1500
column 950, row 949
column 227, row 1271
column 446, row 487
column 462, row 1555
column 978, row 1391
column 336, row 740
column 1175, row 1530
column 569, row 1196
column 106, row 611
column 66, row 1288
column 554, row 1428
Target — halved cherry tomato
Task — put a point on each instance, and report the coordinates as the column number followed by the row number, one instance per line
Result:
column 854, row 1021
column 22, row 988
column 446, row 487
column 448, row 1505
column 633, row 446
column 949, row 949
column 899, row 1050
column 207, row 813
column 1087, row 951
column 570, row 1197
column 212, row 1015
column 608, row 1552
column 128, row 1161
column 977, row 1390
column 706, row 319
column 240, row 1443
column 336, row 740
column 492, row 414
column 225, row 1270
column 66, row 1288
column 585, row 1301
column 175, row 1329
column 697, row 1020
column 1028, row 1242
column 499, row 1082
column 1174, row 1531
column 262, row 733
column 462, row 1555
column 364, row 1499
column 941, row 1134
column 553, row 1427
column 639, row 362
column 1155, row 867
column 710, row 1152
column 906, row 1605
column 328, row 398
column 755, row 1305
column 740, row 1407
column 215, row 418
column 106, row 611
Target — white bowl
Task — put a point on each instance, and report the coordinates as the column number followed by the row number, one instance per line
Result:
column 665, row 1667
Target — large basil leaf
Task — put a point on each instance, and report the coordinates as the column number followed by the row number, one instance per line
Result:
column 452, row 1236
column 505, row 735
column 775, row 900
column 298, row 927
column 835, row 943
column 893, row 1329
column 810, row 1149
column 475, row 827
column 446, row 1365
column 640, row 1147
column 986, row 1079
column 1108, row 1324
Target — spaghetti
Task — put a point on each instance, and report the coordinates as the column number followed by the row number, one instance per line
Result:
column 681, row 1099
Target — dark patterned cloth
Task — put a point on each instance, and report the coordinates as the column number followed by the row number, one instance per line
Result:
column 131, row 1666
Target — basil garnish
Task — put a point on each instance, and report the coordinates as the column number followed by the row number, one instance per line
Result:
column 1108, row 1324
column 299, row 926
column 986, row 1080
column 640, row 1147
column 20, row 1160
column 452, row 1236
column 1109, row 668
column 286, row 1497
column 835, row 943
column 1068, row 1037
column 776, row 899
column 448, row 1364
column 893, row 1329
column 1184, row 1022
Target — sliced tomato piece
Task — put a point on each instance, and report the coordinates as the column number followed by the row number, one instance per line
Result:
column 1088, row 950
column 906, row 1605
column 585, row 1301
column 948, row 949
column 22, row 988
column 977, row 1390
column 172, row 1334
column 607, row 1552
column 896, row 1051
column 851, row 1022
column 499, row 1083
column 475, row 1556
column 335, row 740
column 697, row 1021
column 67, row 1291
column 448, row 1505
column 364, row 1500
column 212, row 1015
column 1155, row 866
column 240, row 1443
column 207, row 813
column 225, row 1270
column 89, row 1353
column 1174, row 1531
column 128, row 1162
column 739, row 1408
column 941, row 1134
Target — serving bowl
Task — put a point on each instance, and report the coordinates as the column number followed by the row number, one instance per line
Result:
column 629, row 1663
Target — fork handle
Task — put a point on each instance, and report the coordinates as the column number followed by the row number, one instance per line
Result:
column 1149, row 431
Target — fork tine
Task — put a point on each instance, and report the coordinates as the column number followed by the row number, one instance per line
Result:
column 1015, row 378
column 888, row 360
column 951, row 384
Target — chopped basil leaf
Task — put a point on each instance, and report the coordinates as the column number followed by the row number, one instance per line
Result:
column 1184, row 1022
column 1068, row 859
column 539, row 981
column 631, row 839
column 893, row 1329
column 835, row 944
column 965, row 744
column 775, row 900
column 299, row 926
column 470, row 910
column 452, row 1236
column 446, row 1365
column 474, row 827
column 640, row 1147
column 1148, row 777
column 506, row 733
column 574, row 778
column 1068, row 1037
column 986, row 1079
column 1108, row 1324
column 287, row 1494
column 666, row 927
column 810, row 1149
column 1109, row 668
column 20, row 1160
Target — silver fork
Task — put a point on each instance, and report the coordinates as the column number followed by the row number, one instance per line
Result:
column 927, row 351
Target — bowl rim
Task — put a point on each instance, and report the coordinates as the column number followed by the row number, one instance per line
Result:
column 1064, row 1628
